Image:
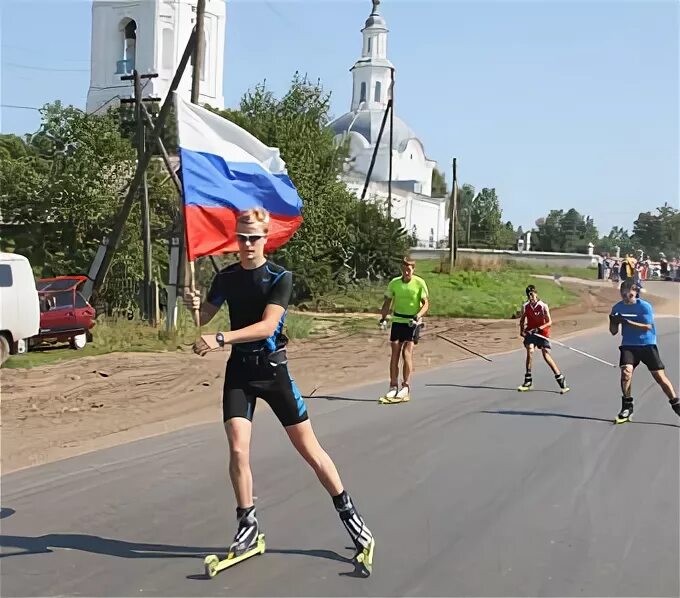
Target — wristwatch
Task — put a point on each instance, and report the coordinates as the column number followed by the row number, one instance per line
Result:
column 219, row 337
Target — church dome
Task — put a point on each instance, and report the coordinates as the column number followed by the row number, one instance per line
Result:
column 375, row 21
column 367, row 124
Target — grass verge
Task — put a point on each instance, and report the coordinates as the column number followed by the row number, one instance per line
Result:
column 490, row 294
column 120, row 334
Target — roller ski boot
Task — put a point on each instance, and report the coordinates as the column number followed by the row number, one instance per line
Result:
column 359, row 533
column 528, row 383
column 247, row 542
column 390, row 397
column 396, row 396
column 562, row 383
column 626, row 412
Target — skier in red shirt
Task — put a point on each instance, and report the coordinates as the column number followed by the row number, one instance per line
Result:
column 536, row 320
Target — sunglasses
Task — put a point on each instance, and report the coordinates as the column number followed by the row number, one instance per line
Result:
column 242, row 238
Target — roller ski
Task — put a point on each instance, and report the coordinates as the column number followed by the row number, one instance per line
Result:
column 394, row 396
column 527, row 385
column 358, row 531
column 626, row 413
column 247, row 542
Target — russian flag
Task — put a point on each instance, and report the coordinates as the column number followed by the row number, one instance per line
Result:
column 226, row 170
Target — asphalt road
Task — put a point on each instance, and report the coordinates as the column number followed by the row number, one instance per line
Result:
column 471, row 489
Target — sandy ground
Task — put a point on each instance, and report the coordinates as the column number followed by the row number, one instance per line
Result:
column 57, row 411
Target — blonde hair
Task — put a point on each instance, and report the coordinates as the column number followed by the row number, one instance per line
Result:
column 408, row 261
column 254, row 216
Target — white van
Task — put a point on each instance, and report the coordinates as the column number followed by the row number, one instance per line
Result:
column 19, row 304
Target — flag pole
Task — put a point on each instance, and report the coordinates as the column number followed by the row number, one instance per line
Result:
column 199, row 55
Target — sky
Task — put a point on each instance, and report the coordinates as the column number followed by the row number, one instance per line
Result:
column 554, row 104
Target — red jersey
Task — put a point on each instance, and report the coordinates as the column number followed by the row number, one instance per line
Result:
column 535, row 316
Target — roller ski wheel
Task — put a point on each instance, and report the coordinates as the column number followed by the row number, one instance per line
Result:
column 393, row 400
column 363, row 560
column 623, row 419
column 525, row 387
column 213, row 564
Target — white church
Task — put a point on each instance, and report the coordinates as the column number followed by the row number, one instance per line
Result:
column 151, row 35
column 412, row 200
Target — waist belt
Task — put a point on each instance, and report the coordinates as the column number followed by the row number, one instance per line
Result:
column 396, row 315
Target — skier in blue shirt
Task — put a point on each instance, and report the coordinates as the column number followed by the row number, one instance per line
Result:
column 638, row 344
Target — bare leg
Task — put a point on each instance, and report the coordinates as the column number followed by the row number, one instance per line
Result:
column 394, row 364
column 408, row 363
column 304, row 440
column 551, row 362
column 665, row 384
column 238, row 433
column 530, row 357
column 626, row 380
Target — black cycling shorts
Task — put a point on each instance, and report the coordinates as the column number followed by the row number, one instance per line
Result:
column 404, row 333
column 249, row 376
column 536, row 341
column 647, row 354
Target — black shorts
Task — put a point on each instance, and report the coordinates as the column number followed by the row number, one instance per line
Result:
column 537, row 341
column 249, row 376
column 647, row 354
column 404, row 333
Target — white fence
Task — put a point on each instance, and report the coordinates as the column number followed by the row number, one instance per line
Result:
column 574, row 260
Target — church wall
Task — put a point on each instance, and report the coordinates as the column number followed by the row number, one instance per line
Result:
column 107, row 42
column 425, row 216
column 369, row 76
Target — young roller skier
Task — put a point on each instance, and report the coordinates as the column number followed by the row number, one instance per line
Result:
column 408, row 295
column 638, row 344
column 257, row 293
column 536, row 320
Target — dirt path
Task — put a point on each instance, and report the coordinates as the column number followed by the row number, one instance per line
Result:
column 58, row 411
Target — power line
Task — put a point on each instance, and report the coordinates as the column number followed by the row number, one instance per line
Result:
column 41, row 68
column 19, row 107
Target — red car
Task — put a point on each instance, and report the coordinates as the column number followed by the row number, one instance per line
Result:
column 65, row 315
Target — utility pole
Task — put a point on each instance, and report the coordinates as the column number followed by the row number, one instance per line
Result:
column 147, row 311
column 184, row 278
column 452, row 220
column 121, row 219
column 389, row 182
column 198, row 52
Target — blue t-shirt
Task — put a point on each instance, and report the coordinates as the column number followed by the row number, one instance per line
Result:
column 640, row 312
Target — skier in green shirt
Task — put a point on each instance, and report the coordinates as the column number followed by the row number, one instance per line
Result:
column 407, row 296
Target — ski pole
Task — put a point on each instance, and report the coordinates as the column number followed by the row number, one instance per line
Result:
column 575, row 350
column 463, row 347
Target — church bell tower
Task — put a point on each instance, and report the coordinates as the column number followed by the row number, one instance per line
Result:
column 150, row 36
column 372, row 72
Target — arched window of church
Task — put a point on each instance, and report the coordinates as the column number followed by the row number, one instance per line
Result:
column 126, row 64
column 370, row 40
column 378, row 88
column 362, row 97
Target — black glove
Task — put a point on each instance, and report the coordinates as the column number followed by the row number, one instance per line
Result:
column 615, row 319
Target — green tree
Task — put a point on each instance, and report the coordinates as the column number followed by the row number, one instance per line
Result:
column 342, row 240
column 617, row 237
column 657, row 232
column 439, row 188
column 61, row 195
column 485, row 219
column 569, row 232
